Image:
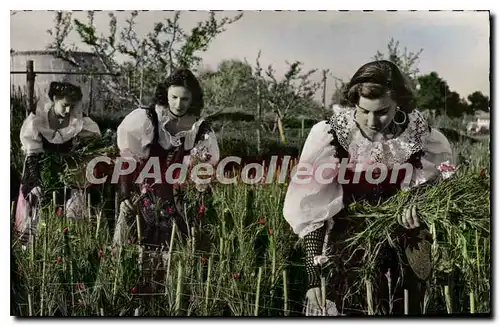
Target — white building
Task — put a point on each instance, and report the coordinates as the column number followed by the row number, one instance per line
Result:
column 481, row 124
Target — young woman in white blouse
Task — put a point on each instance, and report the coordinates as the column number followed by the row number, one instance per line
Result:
column 57, row 127
column 173, row 132
column 376, row 122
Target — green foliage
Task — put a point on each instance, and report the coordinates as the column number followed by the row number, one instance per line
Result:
column 406, row 61
column 239, row 85
column 245, row 231
column 479, row 102
column 49, row 275
column 434, row 94
column 232, row 85
column 293, row 94
column 457, row 211
column 147, row 60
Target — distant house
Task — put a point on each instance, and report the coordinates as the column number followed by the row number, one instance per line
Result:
column 482, row 115
column 481, row 124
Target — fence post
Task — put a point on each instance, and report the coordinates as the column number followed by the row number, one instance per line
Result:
column 30, row 82
column 285, row 293
column 257, row 293
column 259, row 116
column 325, row 71
column 91, row 95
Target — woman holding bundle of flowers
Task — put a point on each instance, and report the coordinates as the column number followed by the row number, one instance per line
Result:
column 170, row 133
column 375, row 123
column 173, row 132
column 48, row 136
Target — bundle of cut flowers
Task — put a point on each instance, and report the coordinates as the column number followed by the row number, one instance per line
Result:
column 75, row 163
column 456, row 210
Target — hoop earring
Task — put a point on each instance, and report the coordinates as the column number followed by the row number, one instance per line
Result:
column 404, row 115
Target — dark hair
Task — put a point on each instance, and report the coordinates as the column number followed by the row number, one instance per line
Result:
column 374, row 80
column 184, row 78
column 63, row 89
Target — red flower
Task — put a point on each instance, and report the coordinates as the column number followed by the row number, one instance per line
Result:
column 170, row 210
column 80, row 286
column 133, row 290
column 146, row 202
column 146, row 187
column 235, row 276
column 59, row 211
column 270, row 232
column 204, row 260
column 261, row 220
column 65, row 230
column 58, row 260
column 483, row 172
column 447, row 167
column 202, row 210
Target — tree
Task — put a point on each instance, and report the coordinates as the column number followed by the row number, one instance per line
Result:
column 406, row 61
column 478, row 102
column 232, row 85
column 456, row 106
column 147, row 59
column 432, row 93
column 237, row 87
column 291, row 95
column 435, row 95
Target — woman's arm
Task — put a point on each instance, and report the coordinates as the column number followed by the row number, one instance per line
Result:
column 205, row 150
column 436, row 151
column 134, row 135
column 32, row 147
column 310, row 202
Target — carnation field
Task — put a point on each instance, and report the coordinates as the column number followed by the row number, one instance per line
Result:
column 251, row 263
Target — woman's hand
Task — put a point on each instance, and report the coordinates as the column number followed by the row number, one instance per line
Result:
column 409, row 219
column 126, row 208
column 35, row 192
column 314, row 306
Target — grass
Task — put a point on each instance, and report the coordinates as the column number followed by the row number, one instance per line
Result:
column 253, row 260
column 58, row 261
column 254, row 264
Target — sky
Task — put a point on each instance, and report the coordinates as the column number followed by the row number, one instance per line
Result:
column 455, row 44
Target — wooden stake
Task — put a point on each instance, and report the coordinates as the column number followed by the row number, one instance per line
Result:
column 369, row 297
column 98, row 225
column 193, row 240
column 89, row 211
column 30, row 82
column 472, row 303
column 285, row 293
column 407, row 303
column 447, row 297
column 179, row 289
column 257, row 293
column 208, row 282
column 170, row 248
column 323, row 295
column 139, row 233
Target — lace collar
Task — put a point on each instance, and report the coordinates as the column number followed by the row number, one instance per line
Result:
column 176, row 140
column 59, row 136
column 389, row 152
